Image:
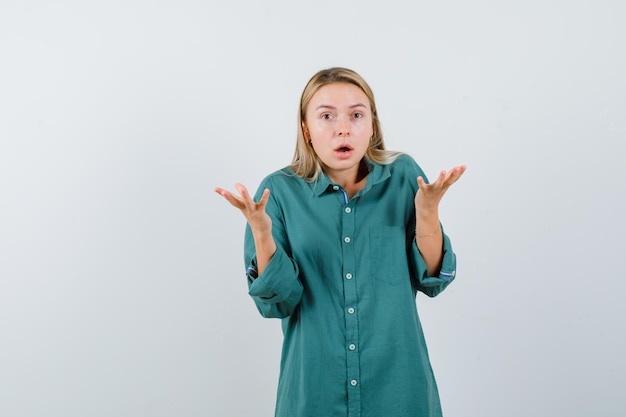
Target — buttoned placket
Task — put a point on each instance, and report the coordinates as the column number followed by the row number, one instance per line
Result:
column 349, row 279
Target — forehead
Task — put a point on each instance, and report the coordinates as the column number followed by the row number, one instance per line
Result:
column 339, row 95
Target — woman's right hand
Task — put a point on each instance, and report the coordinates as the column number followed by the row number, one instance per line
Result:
column 254, row 212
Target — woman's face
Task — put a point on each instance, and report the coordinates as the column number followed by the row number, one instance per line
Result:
column 338, row 122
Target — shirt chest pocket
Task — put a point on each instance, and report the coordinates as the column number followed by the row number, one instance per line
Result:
column 388, row 256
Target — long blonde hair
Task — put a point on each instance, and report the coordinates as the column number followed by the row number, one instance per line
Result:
column 305, row 162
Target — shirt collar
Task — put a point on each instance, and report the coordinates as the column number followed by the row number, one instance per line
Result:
column 378, row 173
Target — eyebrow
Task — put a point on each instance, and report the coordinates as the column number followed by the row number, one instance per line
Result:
column 326, row 106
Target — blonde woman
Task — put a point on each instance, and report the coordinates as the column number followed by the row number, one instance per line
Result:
column 337, row 245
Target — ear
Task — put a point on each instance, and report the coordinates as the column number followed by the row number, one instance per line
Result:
column 305, row 130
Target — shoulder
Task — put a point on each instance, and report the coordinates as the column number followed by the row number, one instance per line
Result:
column 282, row 176
column 282, row 179
column 404, row 164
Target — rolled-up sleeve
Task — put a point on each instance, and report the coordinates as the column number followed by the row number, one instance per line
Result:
column 278, row 290
column 423, row 281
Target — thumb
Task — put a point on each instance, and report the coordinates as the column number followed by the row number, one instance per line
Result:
column 264, row 198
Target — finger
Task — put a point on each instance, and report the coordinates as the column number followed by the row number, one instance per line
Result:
column 245, row 196
column 221, row 191
column 264, row 198
column 449, row 178
column 454, row 174
column 242, row 190
column 440, row 181
column 232, row 198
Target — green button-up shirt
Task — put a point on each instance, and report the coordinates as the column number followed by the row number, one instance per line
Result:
column 344, row 280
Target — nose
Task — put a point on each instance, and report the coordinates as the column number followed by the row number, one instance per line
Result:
column 343, row 127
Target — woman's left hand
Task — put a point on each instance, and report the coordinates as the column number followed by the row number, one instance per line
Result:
column 428, row 196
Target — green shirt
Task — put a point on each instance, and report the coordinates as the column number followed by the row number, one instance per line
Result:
column 344, row 281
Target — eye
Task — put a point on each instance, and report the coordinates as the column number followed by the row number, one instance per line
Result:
column 358, row 115
column 327, row 116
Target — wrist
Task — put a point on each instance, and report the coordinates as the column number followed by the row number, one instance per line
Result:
column 261, row 229
column 435, row 232
column 427, row 223
column 426, row 206
column 427, row 214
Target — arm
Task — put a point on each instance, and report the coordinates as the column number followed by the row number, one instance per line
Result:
column 428, row 234
column 273, row 281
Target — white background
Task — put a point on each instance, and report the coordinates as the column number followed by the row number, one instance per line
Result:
column 122, row 288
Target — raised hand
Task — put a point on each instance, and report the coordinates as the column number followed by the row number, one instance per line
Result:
column 253, row 212
column 429, row 196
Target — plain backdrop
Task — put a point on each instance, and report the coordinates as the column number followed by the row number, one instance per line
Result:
column 122, row 287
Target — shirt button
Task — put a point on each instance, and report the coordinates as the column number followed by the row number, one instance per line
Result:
column 353, row 382
column 348, row 209
column 348, row 276
column 335, row 187
column 346, row 239
column 352, row 346
column 351, row 310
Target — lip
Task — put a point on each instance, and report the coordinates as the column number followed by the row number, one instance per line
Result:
column 344, row 151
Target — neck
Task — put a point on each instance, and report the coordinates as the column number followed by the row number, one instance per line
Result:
column 352, row 181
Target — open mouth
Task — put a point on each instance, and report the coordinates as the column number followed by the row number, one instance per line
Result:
column 343, row 149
